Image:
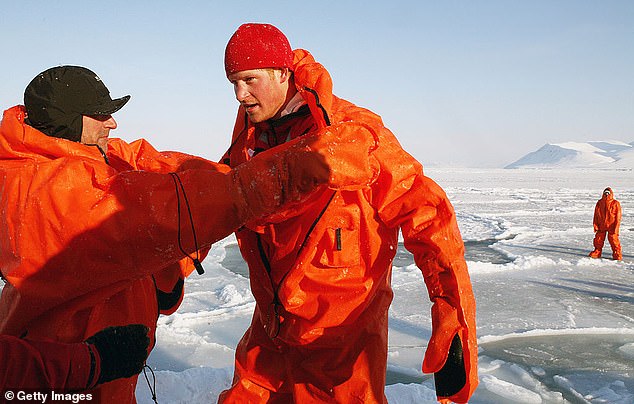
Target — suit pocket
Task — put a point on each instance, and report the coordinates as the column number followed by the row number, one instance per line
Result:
column 340, row 241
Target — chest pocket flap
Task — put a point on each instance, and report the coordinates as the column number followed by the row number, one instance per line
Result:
column 339, row 244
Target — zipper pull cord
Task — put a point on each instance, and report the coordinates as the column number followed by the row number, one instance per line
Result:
column 179, row 187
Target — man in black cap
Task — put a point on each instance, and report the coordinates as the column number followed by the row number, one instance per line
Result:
column 96, row 232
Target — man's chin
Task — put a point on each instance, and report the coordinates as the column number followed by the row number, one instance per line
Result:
column 255, row 118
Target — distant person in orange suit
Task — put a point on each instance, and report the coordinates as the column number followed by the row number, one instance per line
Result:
column 607, row 220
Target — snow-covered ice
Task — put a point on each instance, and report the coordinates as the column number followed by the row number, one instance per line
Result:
column 553, row 325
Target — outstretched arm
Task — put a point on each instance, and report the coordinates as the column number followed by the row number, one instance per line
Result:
column 117, row 226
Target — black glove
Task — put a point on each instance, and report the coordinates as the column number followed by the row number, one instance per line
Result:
column 452, row 377
column 123, row 350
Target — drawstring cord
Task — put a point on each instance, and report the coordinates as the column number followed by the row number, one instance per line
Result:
column 151, row 386
column 179, row 188
column 178, row 184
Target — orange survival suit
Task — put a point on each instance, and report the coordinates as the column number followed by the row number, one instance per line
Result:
column 321, row 273
column 87, row 243
column 607, row 220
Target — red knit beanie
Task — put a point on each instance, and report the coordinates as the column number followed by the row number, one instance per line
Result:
column 257, row 46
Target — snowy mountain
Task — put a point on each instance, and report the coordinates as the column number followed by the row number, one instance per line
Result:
column 593, row 154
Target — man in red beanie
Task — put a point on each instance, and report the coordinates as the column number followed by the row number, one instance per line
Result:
column 320, row 273
column 606, row 221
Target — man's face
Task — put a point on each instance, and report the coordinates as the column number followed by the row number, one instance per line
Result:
column 262, row 92
column 95, row 130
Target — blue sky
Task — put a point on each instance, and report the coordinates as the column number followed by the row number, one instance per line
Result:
column 474, row 83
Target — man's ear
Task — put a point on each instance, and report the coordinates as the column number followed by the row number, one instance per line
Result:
column 285, row 74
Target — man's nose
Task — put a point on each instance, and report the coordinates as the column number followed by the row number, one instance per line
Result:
column 110, row 123
column 241, row 92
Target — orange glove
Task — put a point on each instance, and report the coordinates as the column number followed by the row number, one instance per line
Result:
column 454, row 375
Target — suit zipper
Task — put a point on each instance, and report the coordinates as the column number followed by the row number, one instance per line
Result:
column 267, row 264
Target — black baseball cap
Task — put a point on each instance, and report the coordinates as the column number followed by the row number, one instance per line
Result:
column 56, row 99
